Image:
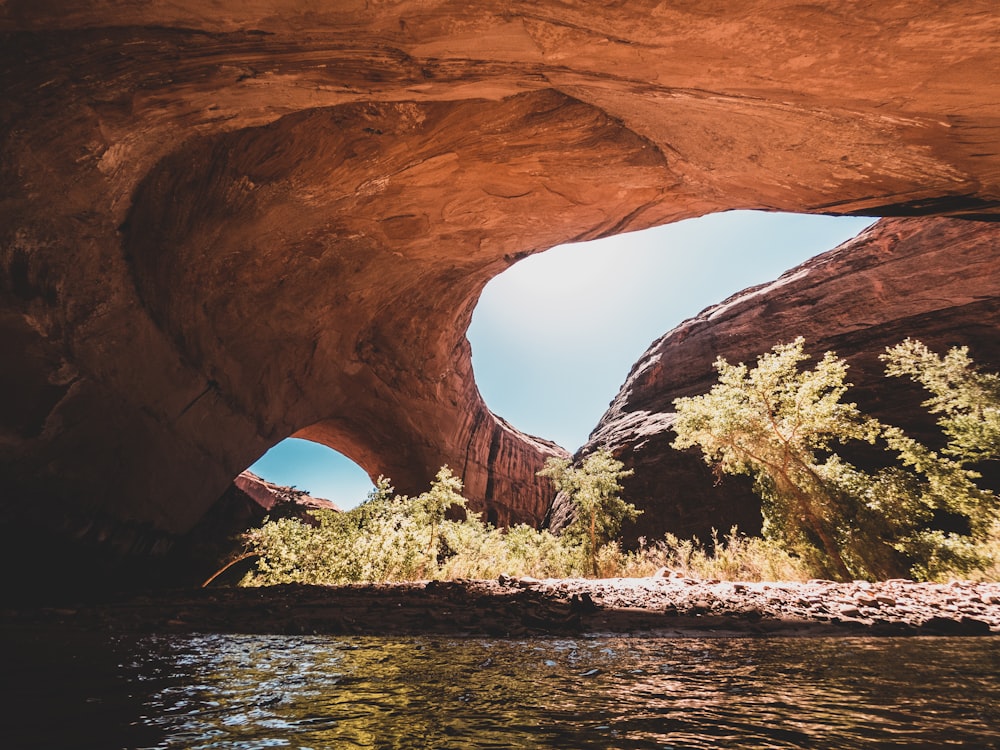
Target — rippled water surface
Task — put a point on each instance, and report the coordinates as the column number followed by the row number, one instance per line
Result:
column 243, row 691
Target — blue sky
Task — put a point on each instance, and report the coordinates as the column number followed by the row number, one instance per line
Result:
column 554, row 337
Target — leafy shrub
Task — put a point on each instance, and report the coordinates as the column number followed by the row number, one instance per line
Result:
column 593, row 488
column 397, row 538
column 780, row 423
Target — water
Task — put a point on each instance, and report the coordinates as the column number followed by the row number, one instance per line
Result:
column 251, row 691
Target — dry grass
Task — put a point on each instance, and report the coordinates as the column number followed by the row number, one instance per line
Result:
column 734, row 557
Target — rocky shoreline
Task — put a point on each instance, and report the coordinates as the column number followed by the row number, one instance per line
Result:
column 667, row 605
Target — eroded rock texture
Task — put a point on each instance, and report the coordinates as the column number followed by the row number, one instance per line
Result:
column 937, row 280
column 223, row 224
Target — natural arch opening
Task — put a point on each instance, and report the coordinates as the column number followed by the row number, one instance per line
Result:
column 315, row 468
column 554, row 336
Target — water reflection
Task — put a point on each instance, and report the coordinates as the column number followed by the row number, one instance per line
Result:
column 226, row 691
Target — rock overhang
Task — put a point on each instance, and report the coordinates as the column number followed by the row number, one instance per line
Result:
column 224, row 225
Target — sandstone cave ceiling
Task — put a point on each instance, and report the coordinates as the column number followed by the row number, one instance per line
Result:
column 222, row 225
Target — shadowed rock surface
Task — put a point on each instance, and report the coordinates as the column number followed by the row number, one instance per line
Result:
column 224, row 224
column 937, row 280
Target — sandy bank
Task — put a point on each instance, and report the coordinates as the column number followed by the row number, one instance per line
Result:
column 517, row 607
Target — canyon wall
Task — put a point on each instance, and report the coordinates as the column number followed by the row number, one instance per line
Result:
column 936, row 280
column 224, row 224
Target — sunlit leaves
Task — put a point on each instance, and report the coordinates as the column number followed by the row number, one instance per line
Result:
column 397, row 538
column 594, row 489
column 968, row 400
column 777, row 422
column 781, row 423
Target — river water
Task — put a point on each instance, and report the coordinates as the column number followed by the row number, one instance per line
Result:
column 252, row 691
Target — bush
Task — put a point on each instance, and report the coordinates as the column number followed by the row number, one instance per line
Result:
column 397, row 538
column 593, row 488
column 780, row 422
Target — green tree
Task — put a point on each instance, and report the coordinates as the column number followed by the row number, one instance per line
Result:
column 778, row 423
column 430, row 508
column 969, row 404
column 967, row 400
column 594, row 489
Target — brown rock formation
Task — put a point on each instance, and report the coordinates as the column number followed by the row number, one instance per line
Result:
column 267, row 495
column 933, row 279
column 223, row 224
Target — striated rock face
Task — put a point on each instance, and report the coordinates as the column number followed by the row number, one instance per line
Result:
column 223, row 224
column 937, row 280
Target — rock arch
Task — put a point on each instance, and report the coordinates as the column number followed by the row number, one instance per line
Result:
column 220, row 226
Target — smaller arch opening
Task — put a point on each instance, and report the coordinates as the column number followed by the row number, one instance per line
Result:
column 320, row 471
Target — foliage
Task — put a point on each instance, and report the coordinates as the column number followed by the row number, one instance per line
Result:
column 968, row 400
column 429, row 508
column 483, row 551
column 383, row 540
column 779, row 422
column 397, row 538
column 594, row 489
column 969, row 404
column 380, row 540
column 735, row 557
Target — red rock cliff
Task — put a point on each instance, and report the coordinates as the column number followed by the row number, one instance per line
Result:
column 937, row 280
